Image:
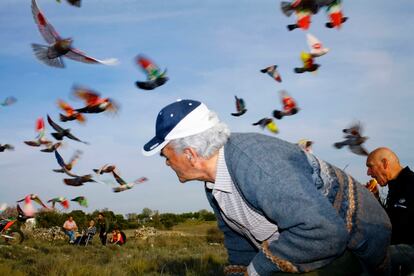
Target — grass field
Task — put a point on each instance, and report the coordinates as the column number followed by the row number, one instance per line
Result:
column 182, row 251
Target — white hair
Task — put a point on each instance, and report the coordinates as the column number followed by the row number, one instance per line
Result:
column 207, row 142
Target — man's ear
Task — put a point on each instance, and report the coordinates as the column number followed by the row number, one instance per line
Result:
column 384, row 163
column 191, row 154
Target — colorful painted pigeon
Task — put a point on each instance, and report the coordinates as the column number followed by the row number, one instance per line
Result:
column 308, row 64
column 305, row 145
column 8, row 101
column 315, row 46
column 94, row 102
column 155, row 77
column 289, row 106
column 61, row 132
column 40, row 138
column 58, row 47
column 272, row 72
column 76, row 3
column 62, row 200
column 81, row 200
column 336, row 18
column 28, row 207
column 67, row 166
column 267, row 123
column 304, row 9
column 70, row 113
column 105, row 169
column 240, row 106
column 353, row 139
column 6, row 147
column 124, row 185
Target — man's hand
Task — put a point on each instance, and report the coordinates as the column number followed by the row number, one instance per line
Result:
column 372, row 186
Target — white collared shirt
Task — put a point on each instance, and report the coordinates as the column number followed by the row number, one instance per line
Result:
column 235, row 211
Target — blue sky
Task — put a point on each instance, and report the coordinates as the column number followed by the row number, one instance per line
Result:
column 213, row 50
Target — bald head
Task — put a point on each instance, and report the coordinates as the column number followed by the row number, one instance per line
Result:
column 381, row 153
column 383, row 165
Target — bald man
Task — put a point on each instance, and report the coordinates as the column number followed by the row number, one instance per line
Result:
column 384, row 166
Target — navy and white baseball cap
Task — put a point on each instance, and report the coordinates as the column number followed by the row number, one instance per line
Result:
column 180, row 119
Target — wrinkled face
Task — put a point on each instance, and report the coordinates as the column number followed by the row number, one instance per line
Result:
column 179, row 162
column 377, row 169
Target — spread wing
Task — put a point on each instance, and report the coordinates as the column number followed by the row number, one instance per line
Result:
column 46, row 29
column 78, row 55
column 89, row 96
column 60, row 160
column 240, row 106
column 54, row 125
column 118, row 178
column 150, row 68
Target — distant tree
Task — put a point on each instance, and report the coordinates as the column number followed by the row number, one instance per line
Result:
column 147, row 213
column 155, row 220
column 47, row 219
column 206, row 215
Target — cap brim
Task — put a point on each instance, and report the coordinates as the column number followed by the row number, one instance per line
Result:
column 153, row 146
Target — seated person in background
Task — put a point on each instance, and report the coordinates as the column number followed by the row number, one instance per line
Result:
column 112, row 239
column 87, row 234
column 70, row 227
column 117, row 237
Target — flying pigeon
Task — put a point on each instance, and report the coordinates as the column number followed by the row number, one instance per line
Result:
column 155, row 77
column 267, row 123
column 8, row 101
column 40, row 138
column 94, row 102
column 81, row 200
column 58, row 47
column 77, row 180
column 105, row 169
column 62, row 200
column 308, row 64
column 70, row 113
column 61, row 132
column 51, row 147
column 6, row 147
column 28, row 207
column 305, row 145
column 68, row 166
column 76, row 3
column 289, row 106
column 336, row 18
column 124, row 185
column 315, row 46
column 240, row 106
column 272, row 72
column 304, row 9
column 353, row 139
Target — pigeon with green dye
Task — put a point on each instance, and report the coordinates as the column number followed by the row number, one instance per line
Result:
column 81, row 200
